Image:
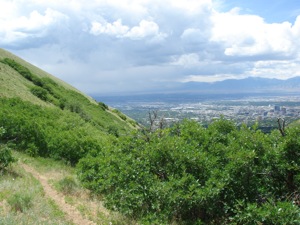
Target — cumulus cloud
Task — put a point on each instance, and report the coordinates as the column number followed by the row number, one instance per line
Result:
column 34, row 25
column 250, row 35
column 117, row 29
column 139, row 44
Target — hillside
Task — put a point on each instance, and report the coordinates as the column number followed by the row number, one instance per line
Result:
column 13, row 84
column 54, row 111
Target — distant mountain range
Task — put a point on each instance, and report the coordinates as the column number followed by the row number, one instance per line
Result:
column 247, row 85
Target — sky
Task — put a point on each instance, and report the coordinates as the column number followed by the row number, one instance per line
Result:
column 105, row 47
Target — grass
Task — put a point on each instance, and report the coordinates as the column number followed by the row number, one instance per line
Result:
column 22, row 200
column 14, row 85
column 39, row 72
column 42, row 210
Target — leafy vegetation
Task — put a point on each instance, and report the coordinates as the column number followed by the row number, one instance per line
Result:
column 48, row 132
column 190, row 174
column 6, row 157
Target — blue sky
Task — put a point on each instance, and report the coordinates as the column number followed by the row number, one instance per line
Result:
column 124, row 46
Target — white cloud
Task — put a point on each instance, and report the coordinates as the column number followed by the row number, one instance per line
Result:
column 282, row 69
column 145, row 28
column 117, row 29
column 35, row 25
column 250, row 35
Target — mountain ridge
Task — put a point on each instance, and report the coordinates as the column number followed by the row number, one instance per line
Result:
column 250, row 84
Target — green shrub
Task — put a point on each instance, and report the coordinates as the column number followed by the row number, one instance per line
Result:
column 6, row 157
column 193, row 175
column 48, row 131
column 19, row 68
column 20, row 202
column 39, row 92
column 267, row 213
column 103, row 105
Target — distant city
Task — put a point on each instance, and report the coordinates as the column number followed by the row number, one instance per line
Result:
column 246, row 108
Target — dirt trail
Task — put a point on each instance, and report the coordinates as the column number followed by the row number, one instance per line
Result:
column 72, row 214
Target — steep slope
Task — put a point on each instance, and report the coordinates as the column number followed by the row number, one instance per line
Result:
column 45, row 116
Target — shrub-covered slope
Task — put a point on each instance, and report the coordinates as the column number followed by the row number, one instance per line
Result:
column 45, row 116
column 189, row 174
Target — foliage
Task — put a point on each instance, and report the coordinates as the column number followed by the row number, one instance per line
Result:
column 191, row 174
column 6, row 157
column 49, row 132
column 19, row 68
column 267, row 213
column 103, row 106
column 39, row 92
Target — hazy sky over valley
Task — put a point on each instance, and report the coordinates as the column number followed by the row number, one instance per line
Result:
column 107, row 46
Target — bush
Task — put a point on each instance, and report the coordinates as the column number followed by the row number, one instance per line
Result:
column 193, row 175
column 19, row 68
column 103, row 105
column 39, row 92
column 6, row 157
column 20, row 202
column 48, row 131
column 268, row 213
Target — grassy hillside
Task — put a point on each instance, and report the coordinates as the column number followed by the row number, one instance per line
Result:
column 13, row 84
column 42, row 115
column 35, row 70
